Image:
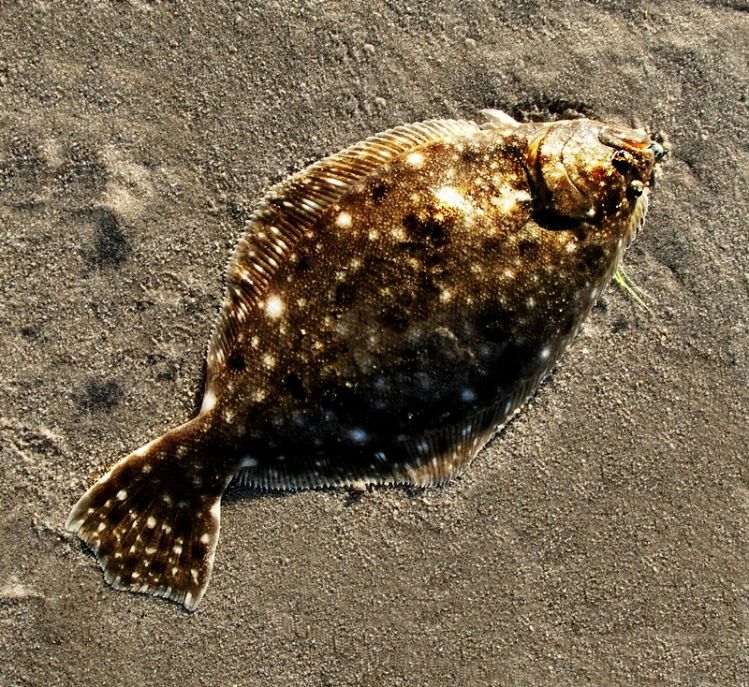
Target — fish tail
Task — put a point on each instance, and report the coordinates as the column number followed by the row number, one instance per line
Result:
column 153, row 519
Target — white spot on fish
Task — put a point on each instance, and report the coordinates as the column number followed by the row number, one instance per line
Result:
column 467, row 395
column 357, row 435
column 451, row 197
column 274, row 306
column 415, row 159
column 343, row 221
column 209, row 402
column 505, row 201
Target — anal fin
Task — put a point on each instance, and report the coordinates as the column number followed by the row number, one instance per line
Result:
column 431, row 459
column 439, row 456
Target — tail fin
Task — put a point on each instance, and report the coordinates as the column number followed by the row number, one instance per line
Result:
column 153, row 519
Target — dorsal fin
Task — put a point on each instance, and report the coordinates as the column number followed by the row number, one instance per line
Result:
column 291, row 208
column 499, row 120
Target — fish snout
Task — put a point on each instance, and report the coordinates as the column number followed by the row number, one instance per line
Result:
column 637, row 154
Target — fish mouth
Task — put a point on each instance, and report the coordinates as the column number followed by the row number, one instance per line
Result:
column 637, row 219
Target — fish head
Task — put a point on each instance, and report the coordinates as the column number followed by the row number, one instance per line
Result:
column 593, row 173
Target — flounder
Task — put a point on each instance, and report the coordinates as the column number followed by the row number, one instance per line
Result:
column 388, row 310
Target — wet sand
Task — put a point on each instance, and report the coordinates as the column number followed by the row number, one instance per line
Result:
column 600, row 540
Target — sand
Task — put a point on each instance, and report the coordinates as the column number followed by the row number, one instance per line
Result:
column 600, row 540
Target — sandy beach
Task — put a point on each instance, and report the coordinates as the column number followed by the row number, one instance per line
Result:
column 601, row 539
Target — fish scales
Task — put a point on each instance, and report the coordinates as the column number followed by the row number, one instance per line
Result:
column 388, row 310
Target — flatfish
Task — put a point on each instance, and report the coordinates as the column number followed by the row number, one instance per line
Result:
column 388, row 310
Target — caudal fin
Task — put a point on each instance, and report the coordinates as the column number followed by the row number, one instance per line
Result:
column 153, row 519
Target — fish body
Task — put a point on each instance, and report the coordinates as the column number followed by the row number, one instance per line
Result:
column 388, row 310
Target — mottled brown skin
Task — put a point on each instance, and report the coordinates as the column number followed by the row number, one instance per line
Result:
column 390, row 308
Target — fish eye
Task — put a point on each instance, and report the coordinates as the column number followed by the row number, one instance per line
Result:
column 622, row 161
column 658, row 150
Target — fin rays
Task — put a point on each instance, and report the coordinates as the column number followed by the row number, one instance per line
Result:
column 146, row 538
column 430, row 460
